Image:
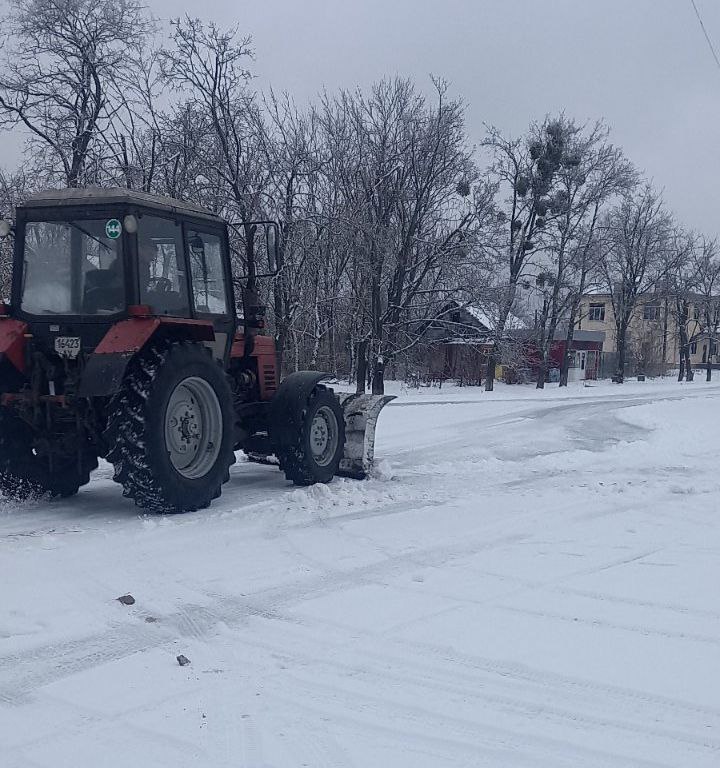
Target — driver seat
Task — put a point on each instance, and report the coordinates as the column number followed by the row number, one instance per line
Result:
column 103, row 291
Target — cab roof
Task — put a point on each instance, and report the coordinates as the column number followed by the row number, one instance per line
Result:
column 102, row 196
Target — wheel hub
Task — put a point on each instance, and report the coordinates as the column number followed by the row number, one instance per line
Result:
column 193, row 427
column 323, row 436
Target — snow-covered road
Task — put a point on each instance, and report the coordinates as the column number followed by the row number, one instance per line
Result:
column 530, row 579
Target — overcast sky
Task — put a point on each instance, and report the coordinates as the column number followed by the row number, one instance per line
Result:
column 643, row 65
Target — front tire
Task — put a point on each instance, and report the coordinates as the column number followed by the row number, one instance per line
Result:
column 171, row 429
column 315, row 453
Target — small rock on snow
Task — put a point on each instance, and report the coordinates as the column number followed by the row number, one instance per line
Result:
column 126, row 599
column 183, row 661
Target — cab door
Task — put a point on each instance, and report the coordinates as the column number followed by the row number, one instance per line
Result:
column 211, row 292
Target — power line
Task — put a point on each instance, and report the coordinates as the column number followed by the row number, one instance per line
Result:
column 707, row 37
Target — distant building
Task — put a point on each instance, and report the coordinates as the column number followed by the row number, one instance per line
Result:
column 653, row 344
column 459, row 342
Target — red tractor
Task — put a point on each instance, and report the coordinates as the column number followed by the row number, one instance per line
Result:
column 121, row 341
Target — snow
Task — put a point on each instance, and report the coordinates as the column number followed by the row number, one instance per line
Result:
column 513, row 322
column 528, row 579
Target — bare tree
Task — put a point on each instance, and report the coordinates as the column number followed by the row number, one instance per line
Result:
column 706, row 264
column 637, row 235
column 14, row 188
column 679, row 284
column 592, row 172
column 136, row 134
column 208, row 65
column 60, row 57
column 523, row 172
column 293, row 160
column 410, row 205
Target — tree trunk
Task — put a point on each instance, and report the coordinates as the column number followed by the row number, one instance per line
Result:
column 490, row 371
column 542, row 374
column 665, row 337
column 565, row 363
column 708, row 369
column 378, row 379
column 622, row 337
column 689, row 373
column 362, row 348
column 565, row 368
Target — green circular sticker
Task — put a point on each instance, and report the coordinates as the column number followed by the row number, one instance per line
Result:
column 113, row 229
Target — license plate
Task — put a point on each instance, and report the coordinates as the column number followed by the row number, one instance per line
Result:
column 67, row 346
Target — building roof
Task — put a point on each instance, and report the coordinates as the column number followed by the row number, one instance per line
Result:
column 513, row 323
column 114, row 196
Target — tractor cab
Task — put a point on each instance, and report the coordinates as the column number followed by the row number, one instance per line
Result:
column 86, row 258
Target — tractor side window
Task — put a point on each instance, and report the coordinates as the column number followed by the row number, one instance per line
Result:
column 208, row 275
column 163, row 285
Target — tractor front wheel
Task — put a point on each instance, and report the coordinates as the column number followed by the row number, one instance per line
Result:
column 25, row 474
column 171, row 429
column 315, row 452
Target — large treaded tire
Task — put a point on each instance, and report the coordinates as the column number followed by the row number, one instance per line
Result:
column 297, row 460
column 25, row 475
column 136, row 434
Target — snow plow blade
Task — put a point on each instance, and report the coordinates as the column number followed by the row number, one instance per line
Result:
column 361, row 415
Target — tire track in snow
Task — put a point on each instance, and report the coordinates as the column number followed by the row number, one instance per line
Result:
column 26, row 671
column 606, row 598
column 639, row 629
column 351, row 659
column 417, row 724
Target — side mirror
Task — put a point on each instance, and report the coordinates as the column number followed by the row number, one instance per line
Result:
column 272, row 245
column 5, row 228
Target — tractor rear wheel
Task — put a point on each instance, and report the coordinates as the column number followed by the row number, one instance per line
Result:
column 24, row 474
column 315, row 454
column 171, row 429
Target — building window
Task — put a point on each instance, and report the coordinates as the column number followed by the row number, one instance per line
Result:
column 693, row 348
column 651, row 312
column 696, row 313
column 597, row 313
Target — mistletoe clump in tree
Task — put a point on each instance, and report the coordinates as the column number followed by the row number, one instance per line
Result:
column 523, row 172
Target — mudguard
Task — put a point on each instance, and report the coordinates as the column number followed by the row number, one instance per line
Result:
column 286, row 407
column 12, row 342
column 106, row 367
column 361, row 415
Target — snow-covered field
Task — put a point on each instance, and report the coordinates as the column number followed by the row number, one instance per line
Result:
column 530, row 579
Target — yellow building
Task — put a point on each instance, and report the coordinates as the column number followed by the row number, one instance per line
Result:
column 653, row 344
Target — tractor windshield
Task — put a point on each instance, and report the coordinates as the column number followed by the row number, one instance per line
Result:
column 73, row 268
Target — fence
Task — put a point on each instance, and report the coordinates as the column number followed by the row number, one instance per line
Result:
column 609, row 365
